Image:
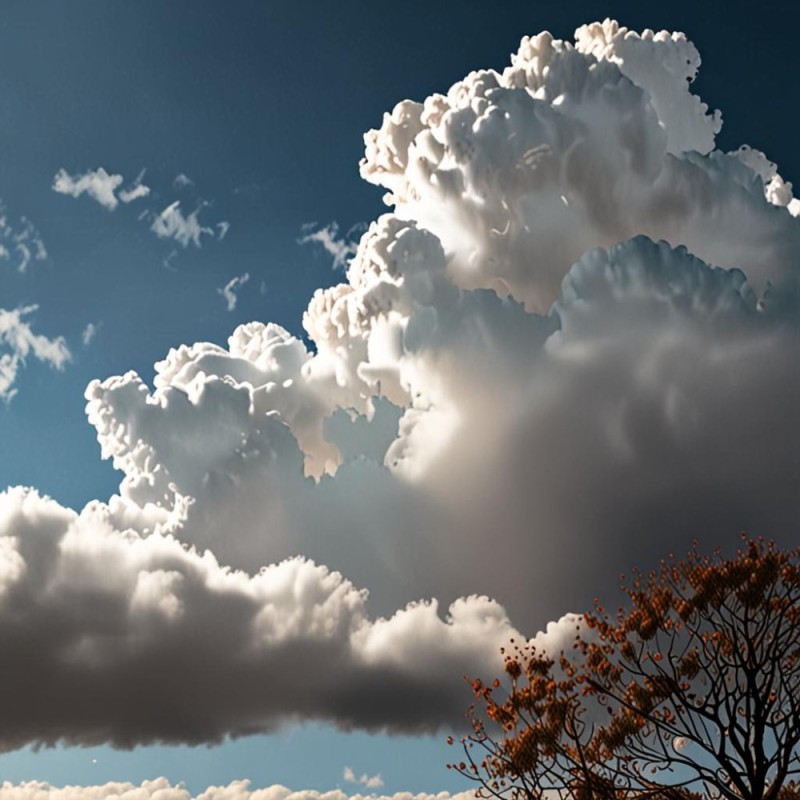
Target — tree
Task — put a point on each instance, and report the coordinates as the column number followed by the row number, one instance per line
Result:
column 691, row 690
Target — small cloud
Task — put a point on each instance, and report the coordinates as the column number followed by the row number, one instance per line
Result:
column 99, row 185
column 173, row 254
column 223, row 228
column 137, row 190
column 182, row 182
column 129, row 195
column 21, row 240
column 370, row 782
column 341, row 248
column 172, row 224
column 89, row 332
column 231, row 287
column 20, row 342
column 680, row 742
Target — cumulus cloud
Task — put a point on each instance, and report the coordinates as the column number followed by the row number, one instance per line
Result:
column 171, row 223
column 142, row 640
column 162, row 789
column 18, row 342
column 228, row 291
column 369, row 781
column 573, row 340
column 338, row 247
column 98, row 184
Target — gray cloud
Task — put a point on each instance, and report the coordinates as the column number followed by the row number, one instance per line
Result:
column 131, row 640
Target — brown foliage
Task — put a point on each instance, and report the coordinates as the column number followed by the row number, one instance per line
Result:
column 692, row 690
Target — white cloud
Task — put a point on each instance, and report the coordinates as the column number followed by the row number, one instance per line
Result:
column 579, row 323
column 18, row 342
column 222, row 229
column 328, row 237
column 370, row 782
column 172, row 224
column 162, row 789
column 89, row 332
column 20, row 241
column 228, row 291
column 136, row 191
column 98, row 184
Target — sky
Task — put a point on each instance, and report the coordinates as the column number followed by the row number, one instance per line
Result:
column 340, row 344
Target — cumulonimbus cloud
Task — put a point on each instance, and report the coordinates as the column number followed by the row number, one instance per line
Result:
column 573, row 340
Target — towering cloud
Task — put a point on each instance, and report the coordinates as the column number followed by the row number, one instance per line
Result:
column 572, row 341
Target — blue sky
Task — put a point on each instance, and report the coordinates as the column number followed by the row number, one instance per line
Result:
column 251, row 116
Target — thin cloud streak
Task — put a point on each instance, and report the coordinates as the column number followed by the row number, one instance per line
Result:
column 230, row 289
column 340, row 248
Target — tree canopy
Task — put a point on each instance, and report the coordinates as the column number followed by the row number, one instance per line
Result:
column 691, row 689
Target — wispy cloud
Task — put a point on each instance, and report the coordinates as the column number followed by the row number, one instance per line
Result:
column 228, row 291
column 89, row 332
column 369, row 781
column 182, row 182
column 20, row 241
column 135, row 191
column 341, row 248
column 98, row 184
column 171, row 223
column 20, row 342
